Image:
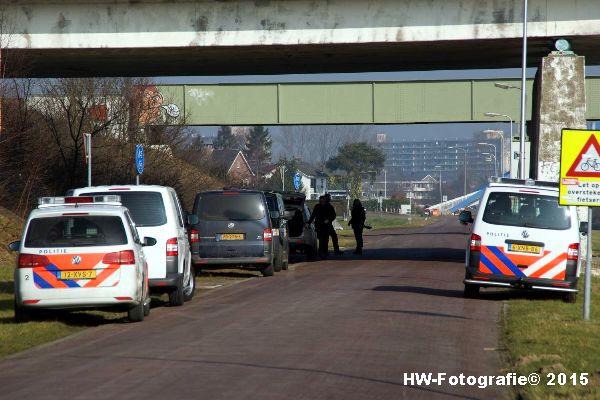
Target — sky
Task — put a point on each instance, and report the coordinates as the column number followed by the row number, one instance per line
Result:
column 399, row 131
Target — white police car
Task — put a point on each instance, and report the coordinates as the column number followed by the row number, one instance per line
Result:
column 522, row 238
column 81, row 252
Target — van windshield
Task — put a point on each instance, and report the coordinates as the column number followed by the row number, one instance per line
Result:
column 230, row 207
column 526, row 210
column 75, row 231
column 146, row 208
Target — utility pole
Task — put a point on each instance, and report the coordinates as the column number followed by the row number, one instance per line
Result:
column 522, row 170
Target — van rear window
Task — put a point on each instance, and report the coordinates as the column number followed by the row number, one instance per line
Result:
column 230, row 207
column 146, row 208
column 526, row 210
column 75, row 231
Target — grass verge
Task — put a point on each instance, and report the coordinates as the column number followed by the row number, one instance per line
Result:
column 546, row 335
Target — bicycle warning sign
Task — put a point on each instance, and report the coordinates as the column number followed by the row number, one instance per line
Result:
column 580, row 168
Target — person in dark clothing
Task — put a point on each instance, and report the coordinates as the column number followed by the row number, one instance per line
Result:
column 357, row 221
column 322, row 217
column 332, row 232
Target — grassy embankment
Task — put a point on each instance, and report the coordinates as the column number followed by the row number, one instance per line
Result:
column 542, row 334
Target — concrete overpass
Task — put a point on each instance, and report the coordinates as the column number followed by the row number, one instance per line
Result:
column 155, row 37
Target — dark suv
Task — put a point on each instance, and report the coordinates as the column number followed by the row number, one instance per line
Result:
column 234, row 229
column 279, row 217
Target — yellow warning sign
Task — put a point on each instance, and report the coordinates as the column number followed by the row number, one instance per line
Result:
column 580, row 168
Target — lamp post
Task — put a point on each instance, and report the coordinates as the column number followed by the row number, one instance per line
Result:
column 494, row 114
column 439, row 168
column 495, row 156
column 495, row 160
column 522, row 173
column 465, row 163
column 521, row 123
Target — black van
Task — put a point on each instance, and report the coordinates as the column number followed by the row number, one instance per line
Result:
column 234, row 229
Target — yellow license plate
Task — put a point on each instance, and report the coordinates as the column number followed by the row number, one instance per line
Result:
column 524, row 248
column 70, row 275
column 232, row 236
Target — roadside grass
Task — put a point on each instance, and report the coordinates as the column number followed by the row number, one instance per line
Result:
column 545, row 335
column 380, row 221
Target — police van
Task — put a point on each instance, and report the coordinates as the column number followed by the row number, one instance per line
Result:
column 522, row 238
column 78, row 253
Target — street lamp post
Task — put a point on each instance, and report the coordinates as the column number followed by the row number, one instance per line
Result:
column 439, row 168
column 495, row 160
column 522, row 174
column 465, row 163
column 494, row 114
column 495, row 156
column 521, row 123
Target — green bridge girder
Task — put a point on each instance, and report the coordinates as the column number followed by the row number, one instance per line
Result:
column 378, row 102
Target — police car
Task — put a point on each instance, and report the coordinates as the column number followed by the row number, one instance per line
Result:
column 81, row 252
column 522, row 238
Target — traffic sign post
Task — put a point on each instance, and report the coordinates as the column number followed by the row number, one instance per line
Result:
column 87, row 146
column 297, row 181
column 580, row 186
column 139, row 162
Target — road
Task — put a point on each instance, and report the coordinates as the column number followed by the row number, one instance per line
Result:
column 346, row 328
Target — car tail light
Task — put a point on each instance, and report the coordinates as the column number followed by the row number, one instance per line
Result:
column 119, row 257
column 475, row 243
column 172, row 248
column 573, row 252
column 194, row 236
column 268, row 235
column 32, row 261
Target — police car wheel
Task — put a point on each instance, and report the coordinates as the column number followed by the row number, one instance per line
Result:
column 23, row 315
column 570, row 297
column 136, row 313
column 188, row 293
column 471, row 291
column 147, row 308
column 268, row 270
column 177, row 297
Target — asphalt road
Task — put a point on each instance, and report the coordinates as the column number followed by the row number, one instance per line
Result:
column 347, row 328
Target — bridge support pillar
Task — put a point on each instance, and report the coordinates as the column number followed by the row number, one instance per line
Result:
column 559, row 103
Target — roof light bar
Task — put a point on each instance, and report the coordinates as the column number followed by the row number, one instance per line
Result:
column 103, row 199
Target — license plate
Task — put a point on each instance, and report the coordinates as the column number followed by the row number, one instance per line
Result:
column 233, row 236
column 524, row 248
column 70, row 275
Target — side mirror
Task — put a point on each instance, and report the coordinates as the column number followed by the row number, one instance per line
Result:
column 148, row 242
column 288, row 215
column 465, row 217
column 192, row 219
column 14, row 246
column 583, row 228
column 275, row 214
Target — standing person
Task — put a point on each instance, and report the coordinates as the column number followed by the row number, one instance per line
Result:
column 331, row 229
column 321, row 217
column 357, row 221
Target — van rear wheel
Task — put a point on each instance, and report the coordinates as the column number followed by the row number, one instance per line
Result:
column 189, row 290
column 176, row 296
column 471, row 291
column 269, row 270
column 277, row 264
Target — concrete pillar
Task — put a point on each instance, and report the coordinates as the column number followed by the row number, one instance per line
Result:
column 560, row 98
